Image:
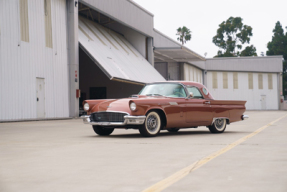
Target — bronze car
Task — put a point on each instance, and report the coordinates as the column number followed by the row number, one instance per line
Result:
column 170, row 105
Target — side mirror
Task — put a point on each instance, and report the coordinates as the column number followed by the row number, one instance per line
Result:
column 190, row 95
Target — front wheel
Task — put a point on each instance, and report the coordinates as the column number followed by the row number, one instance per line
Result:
column 102, row 131
column 218, row 126
column 152, row 125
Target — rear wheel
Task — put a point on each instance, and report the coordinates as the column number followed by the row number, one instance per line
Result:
column 218, row 126
column 152, row 125
column 102, row 131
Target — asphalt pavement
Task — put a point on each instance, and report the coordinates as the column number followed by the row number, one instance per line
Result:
column 66, row 155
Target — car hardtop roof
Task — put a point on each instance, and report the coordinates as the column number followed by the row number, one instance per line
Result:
column 186, row 83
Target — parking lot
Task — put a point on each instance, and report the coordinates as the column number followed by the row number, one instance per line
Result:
column 66, row 155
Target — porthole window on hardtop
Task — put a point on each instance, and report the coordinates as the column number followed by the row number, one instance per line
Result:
column 205, row 91
column 195, row 91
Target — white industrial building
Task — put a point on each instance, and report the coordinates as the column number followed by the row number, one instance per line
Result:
column 254, row 79
column 55, row 53
column 258, row 80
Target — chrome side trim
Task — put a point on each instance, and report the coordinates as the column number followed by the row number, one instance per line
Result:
column 129, row 120
column 244, row 117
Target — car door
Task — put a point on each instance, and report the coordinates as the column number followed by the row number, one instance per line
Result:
column 175, row 106
column 198, row 109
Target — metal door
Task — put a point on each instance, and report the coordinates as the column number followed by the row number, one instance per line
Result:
column 162, row 68
column 263, row 102
column 40, row 97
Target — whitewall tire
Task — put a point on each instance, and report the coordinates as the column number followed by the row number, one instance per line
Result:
column 218, row 126
column 152, row 125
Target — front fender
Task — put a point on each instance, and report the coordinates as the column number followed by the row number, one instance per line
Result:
column 154, row 108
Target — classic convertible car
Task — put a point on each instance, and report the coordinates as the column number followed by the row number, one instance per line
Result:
column 170, row 105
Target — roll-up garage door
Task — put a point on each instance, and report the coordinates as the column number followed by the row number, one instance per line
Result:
column 114, row 55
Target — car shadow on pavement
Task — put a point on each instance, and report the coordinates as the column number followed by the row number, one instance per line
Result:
column 168, row 134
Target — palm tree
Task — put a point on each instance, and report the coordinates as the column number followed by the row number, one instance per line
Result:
column 184, row 34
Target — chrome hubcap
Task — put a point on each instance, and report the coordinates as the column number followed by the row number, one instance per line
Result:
column 152, row 123
column 219, row 123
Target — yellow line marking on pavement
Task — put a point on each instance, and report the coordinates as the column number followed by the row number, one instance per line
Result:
column 161, row 185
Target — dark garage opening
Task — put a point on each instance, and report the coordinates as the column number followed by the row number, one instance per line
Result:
column 94, row 84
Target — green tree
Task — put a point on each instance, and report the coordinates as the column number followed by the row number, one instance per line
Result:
column 278, row 46
column 231, row 35
column 184, row 34
column 249, row 51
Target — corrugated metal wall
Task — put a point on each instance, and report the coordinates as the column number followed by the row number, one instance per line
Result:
column 251, row 64
column 21, row 62
column 127, row 12
column 192, row 73
column 160, row 40
column 115, row 54
column 252, row 95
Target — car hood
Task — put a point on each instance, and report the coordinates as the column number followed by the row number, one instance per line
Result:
column 122, row 105
column 113, row 105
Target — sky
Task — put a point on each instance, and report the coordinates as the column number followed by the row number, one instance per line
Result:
column 202, row 17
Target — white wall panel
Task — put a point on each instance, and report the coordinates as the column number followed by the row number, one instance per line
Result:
column 252, row 96
column 192, row 73
column 21, row 62
column 161, row 40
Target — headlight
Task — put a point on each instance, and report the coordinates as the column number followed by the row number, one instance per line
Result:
column 86, row 107
column 133, row 106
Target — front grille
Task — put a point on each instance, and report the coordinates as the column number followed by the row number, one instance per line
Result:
column 108, row 117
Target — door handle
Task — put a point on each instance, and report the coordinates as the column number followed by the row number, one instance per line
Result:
column 207, row 102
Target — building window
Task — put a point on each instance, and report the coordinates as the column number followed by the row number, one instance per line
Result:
column 214, row 80
column 24, row 20
column 235, row 80
column 270, row 82
column 250, row 80
column 260, row 81
column 225, row 80
column 48, row 23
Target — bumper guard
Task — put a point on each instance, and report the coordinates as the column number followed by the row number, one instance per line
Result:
column 244, row 117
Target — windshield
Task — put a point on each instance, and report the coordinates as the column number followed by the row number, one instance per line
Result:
column 164, row 89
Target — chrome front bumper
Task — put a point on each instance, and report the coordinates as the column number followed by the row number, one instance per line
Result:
column 129, row 120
